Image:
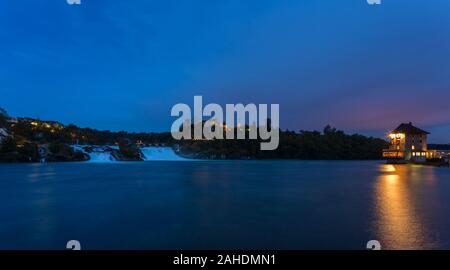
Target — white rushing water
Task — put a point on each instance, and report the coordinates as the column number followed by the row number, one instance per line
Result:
column 98, row 154
column 101, row 157
column 160, row 153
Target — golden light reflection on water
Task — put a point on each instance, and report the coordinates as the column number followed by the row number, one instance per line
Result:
column 398, row 220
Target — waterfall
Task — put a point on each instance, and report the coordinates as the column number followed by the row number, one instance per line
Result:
column 98, row 154
column 102, row 154
column 101, row 157
column 160, row 153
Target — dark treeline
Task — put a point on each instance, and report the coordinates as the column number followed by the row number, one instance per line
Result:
column 22, row 138
column 442, row 147
column 26, row 135
column 331, row 144
column 42, row 132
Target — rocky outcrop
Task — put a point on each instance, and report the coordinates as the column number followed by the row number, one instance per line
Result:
column 59, row 152
column 127, row 152
column 12, row 150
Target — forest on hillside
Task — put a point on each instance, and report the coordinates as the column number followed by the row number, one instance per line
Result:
column 26, row 135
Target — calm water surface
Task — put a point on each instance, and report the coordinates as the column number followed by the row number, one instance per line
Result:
column 224, row 205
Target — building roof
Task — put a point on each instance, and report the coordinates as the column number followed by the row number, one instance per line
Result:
column 408, row 128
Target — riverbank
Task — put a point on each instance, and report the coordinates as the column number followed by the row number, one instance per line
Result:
column 92, row 153
column 434, row 163
column 34, row 140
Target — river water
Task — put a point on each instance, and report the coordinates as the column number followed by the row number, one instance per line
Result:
column 224, row 205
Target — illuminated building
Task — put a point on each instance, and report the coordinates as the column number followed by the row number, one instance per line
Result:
column 408, row 143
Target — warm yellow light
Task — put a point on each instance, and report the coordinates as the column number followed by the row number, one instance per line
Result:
column 388, row 168
column 391, row 179
column 396, row 135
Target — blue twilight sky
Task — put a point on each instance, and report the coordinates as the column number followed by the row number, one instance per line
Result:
column 121, row 65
